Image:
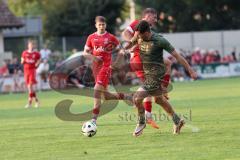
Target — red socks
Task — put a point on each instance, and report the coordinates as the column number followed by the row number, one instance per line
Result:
column 166, row 80
column 96, row 111
column 31, row 96
column 148, row 106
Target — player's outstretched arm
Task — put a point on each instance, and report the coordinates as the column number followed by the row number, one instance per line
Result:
column 129, row 38
column 183, row 62
column 127, row 35
column 132, row 42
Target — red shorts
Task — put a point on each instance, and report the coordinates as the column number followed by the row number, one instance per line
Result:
column 30, row 77
column 102, row 75
column 136, row 66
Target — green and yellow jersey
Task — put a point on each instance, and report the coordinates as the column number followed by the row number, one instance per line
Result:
column 151, row 53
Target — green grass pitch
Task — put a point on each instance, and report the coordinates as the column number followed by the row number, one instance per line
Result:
column 212, row 131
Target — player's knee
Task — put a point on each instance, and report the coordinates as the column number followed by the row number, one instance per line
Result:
column 137, row 100
column 107, row 96
column 159, row 100
column 148, row 99
column 97, row 106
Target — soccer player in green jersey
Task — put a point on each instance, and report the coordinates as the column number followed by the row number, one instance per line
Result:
column 151, row 51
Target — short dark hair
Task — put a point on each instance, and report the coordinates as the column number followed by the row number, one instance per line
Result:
column 31, row 40
column 100, row 19
column 148, row 10
column 143, row 27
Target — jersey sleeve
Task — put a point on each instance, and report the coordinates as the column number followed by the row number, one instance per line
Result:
column 88, row 44
column 133, row 26
column 166, row 45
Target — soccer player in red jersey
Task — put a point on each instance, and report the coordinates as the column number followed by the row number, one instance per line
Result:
column 98, row 48
column 30, row 60
column 149, row 15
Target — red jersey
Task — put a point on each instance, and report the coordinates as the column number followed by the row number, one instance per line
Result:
column 135, row 60
column 30, row 59
column 132, row 28
column 102, row 46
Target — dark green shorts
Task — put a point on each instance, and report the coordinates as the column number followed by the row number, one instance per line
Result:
column 152, row 85
column 154, row 74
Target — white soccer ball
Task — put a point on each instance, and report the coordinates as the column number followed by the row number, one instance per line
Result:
column 89, row 129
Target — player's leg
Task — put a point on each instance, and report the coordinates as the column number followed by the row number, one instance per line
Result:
column 147, row 103
column 98, row 90
column 102, row 78
column 167, row 76
column 137, row 67
column 138, row 100
column 101, row 75
column 33, row 82
column 118, row 96
column 30, row 96
column 178, row 122
column 37, row 104
column 29, row 89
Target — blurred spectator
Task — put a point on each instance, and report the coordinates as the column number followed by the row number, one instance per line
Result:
column 217, row 56
column 227, row 59
column 4, row 69
column 74, row 79
column 59, row 62
column 43, row 69
column 177, row 72
column 196, row 56
column 234, row 54
column 74, row 50
column 209, row 58
column 14, row 66
column 81, row 77
column 42, row 72
column 45, row 52
column 201, row 56
column 177, row 75
column 18, row 80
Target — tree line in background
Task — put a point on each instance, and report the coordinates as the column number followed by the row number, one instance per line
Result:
column 76, row 17
column 69, row 17
column 195, row 15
